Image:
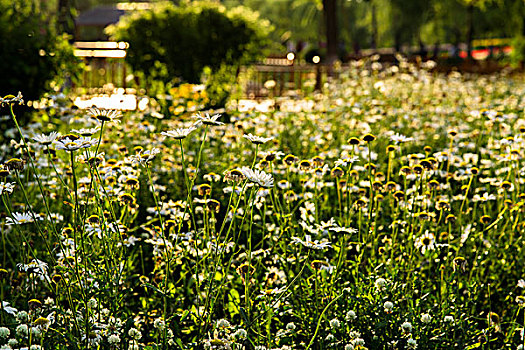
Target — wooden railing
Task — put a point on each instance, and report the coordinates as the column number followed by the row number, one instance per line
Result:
column 270, row 80
column 104, row 64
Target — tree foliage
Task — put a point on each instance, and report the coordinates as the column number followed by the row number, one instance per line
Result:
column 394, row 23
column 178, row 42
column 32, row 55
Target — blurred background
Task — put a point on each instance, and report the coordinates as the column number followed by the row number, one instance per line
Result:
column 91, row 47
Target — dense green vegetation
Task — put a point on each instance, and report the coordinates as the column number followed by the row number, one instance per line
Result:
column 174, row 44
column 387, row 212
column 33, row 56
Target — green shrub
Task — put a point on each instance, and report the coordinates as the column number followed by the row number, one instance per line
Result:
column 32, row 55
column 176, row 43
column 518, row 50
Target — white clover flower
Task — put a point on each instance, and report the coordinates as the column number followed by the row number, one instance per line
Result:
column 350, row 315
column 46, row 140
column 406, row 327
column 257, row 140
column 240, row 334
column 134, row 333
column 22, row 330
column 12, row 342
column 358, row 342
column 4, row 332
column 426, row 318
column 159, row 324
column 222, row 323
column 411, row 344
column 290, row 327
column 334, row 323
column 180, row 133
column 388, row 306
column 449, row 319
column 36, row 332
column 113, row 339
column 380, row 283
column 92, row 303
column 258, row 177
column 22, row 316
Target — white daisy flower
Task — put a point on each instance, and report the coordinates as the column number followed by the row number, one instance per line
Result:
column 144, row 157
column 6, row 187
column 257, row 140
column 11, row 99
column 105, row 115
column 46, row 140
column 208, row 120
column 34, row 266
column 180, row 133
column 72, row 144
column 86, row 132
column 308, row 243
column 426, row 242
column 258, row 176
column 9, row 309
column 19, row 218
column 398, row 138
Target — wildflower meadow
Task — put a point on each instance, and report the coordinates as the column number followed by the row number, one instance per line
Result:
column 386, row 212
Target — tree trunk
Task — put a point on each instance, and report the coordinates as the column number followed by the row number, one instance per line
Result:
column 470, row 32
column 373, row 43
column 330, row 18
column 65, row 22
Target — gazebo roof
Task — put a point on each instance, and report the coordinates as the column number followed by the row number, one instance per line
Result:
column 99, row 16
column 104, row 15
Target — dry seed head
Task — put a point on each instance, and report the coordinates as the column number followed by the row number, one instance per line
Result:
column 433, row 184
column 34, row 304
column 93, row 219
column 391, row 148
column 418, row 169
column 450, row 218
column 289, row 159
column 506, row 185
column 213, row 205
column 337, row 172
column 391, row 185
column 369, row 138
column 354, row 141
column 15, row 164
column 204, row 189
column 485, row 219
